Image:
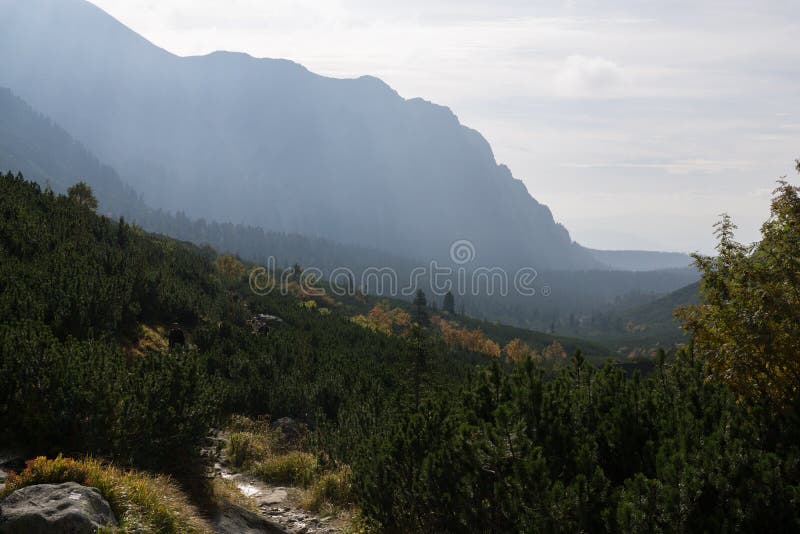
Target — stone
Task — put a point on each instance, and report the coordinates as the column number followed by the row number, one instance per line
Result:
column 67, row 508
column 233, row 519
column 276, row 496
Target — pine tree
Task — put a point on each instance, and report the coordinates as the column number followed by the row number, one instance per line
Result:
column 449, row 304
column 82, row 195
column 421, row 321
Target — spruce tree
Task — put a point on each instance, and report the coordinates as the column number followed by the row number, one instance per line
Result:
column 449, row 304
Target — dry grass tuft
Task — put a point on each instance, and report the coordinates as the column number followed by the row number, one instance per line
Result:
column 141, row 502
column 226, row 491
column 292, row 468
column 331, row 491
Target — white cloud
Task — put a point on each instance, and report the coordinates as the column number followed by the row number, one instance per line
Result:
column 582, row 76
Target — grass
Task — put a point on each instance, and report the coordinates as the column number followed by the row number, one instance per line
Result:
column 226, row 491
column 251, row 441
column 331, row 491
column 256, row 448
column 294, row 468
column 261, row 452
column 247, row 448
column 140, row 502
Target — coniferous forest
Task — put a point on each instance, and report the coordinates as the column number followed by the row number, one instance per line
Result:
column 436, row 437
column 439, row 267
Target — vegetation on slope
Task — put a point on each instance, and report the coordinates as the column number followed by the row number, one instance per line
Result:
column 78, row 290
column 433, row 436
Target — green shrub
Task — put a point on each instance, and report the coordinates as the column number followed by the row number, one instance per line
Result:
column 85, row 395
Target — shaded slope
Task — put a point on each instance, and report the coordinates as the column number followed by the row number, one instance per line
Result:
column 267, row 143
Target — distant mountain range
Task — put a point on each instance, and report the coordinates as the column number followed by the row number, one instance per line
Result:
column 639, row 260
column 34, row 145
column 267, row 143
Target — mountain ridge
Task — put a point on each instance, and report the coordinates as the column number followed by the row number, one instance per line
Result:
column 345, row 159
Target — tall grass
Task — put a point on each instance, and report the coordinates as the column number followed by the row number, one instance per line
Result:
column 140, row 502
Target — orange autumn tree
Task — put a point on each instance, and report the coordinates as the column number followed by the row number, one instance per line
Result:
column 517, row 351
column 382, row 318
column 472, row 340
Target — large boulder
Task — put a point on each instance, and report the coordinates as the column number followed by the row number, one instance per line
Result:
column 67, row 508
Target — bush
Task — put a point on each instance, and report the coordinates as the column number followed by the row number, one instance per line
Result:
column 84, row 395
column 140, row 502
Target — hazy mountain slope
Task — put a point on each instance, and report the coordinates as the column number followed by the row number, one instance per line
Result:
column 654, row 323
column 639, row 260
column 267, row 143
column 661, row 311
column 32, row 144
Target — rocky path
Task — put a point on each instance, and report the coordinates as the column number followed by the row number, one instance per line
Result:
column 279, row 506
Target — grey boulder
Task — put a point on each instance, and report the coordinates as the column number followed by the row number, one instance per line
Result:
column 67, row 508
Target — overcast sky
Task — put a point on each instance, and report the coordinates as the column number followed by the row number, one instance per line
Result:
column 637, row 121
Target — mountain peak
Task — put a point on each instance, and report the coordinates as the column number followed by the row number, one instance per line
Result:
column 265, row 142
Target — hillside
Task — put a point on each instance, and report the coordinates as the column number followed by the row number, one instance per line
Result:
column 43, row 151
column 637, row 330
column 85, row 368
column 87, row 301
column 274, row 145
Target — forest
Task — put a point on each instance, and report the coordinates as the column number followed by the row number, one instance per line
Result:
column 442, row 433
column 594, row 304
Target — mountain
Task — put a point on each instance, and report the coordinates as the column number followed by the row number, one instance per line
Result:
column 654, row 323
column 640, row 260
column 661, row 311
column 32, row 144
column 267, row 143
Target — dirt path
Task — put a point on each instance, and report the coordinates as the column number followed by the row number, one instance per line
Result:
column 279, row 505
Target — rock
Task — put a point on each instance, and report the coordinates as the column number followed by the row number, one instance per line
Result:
column 233, row 519
column 276, row 496
column 67, row 508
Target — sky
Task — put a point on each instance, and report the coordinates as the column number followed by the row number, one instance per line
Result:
column 637, row 121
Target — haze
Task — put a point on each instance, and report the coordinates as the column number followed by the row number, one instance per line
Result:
column 619, row 115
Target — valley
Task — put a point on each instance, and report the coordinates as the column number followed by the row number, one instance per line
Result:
column 240, row 297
